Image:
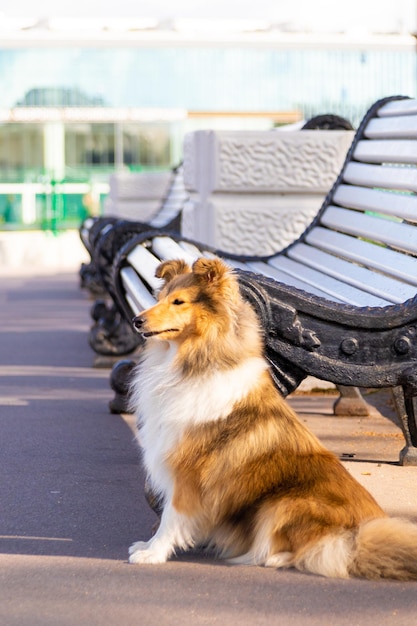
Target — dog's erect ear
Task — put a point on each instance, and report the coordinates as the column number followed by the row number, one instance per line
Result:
column 211, row 271
column 169, row 269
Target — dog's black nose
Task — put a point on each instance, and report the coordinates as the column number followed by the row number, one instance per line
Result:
column 137, row 321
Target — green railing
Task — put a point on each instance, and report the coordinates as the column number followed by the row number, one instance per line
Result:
column 34, row 199
column 51, row 206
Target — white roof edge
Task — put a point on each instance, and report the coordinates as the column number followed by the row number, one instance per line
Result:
column 162, row 38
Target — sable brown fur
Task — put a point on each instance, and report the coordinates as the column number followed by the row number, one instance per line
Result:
column 252, row 459
column 228, row 456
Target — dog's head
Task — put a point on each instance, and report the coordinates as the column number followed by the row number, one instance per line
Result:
column 193, row 302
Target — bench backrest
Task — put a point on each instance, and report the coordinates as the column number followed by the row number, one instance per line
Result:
column 169, row 213
column 361, row 248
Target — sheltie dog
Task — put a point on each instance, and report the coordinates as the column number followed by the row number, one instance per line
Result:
column 230, row 461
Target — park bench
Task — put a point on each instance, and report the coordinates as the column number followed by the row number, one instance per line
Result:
column 110, row 334
column 340, row 303
column 103, row 235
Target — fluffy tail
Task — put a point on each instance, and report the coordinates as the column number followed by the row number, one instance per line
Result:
column 380, row 548
column 385, row 548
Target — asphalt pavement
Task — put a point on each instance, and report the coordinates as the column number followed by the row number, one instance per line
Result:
column 71, row 495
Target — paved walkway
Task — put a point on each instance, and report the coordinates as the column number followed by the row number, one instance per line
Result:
column 71, row 496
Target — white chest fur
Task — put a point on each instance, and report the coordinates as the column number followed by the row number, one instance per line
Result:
column 168, row 404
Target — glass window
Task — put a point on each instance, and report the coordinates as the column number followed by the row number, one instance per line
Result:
column 21, row 152
column 207, row 78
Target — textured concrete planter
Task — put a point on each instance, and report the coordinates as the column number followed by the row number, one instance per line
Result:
column 254, row 192
column 136, row 195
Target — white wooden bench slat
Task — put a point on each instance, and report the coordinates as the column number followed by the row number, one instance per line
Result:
column 399, row 205
column 106, row 229
column 233, row 263
column 389, row 177
column 406, row 106
column 139, row 296
column 164, row 217
column 133, row 306
column 172, row 200
column 237, row 265
column 166, row 248
column 85, row 230
column 173, row 203
column 88, row 222
column 386, row 151
column 178, row 184
column 177, row 195
column 334, row 288
column 196, row 252
column 398, row 265
column 399, row 127
column 389, row 232
column 268, row 269
column 190, row 248
column 145, row 263
column 375, row 283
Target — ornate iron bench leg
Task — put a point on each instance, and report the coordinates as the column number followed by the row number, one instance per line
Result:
column 90, row 279
column 119, row 382
column 113, row 336
column 351, row 402
column 406, row 406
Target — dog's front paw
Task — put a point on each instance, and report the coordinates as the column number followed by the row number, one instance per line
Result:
column 146, row 556
column 140, row 552
column 138, row 545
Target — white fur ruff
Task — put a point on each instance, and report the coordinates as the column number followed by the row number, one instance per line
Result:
column 166, row 404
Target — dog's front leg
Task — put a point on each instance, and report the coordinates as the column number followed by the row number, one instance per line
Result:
column 175, row 532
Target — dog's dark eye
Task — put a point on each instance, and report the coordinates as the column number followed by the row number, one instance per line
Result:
column 178, row 301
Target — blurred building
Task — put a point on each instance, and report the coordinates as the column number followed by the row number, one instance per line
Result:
column 81, row 98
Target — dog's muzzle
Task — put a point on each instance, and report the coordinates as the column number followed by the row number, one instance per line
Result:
column 138, row 322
